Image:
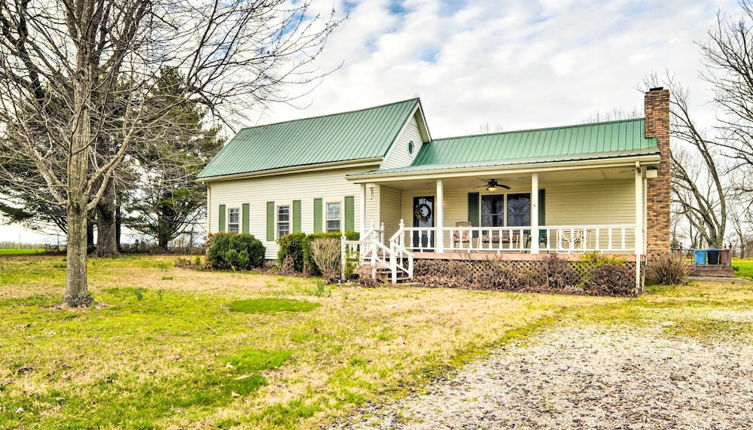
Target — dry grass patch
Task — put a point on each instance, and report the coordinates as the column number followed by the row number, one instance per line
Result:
column 167, row 351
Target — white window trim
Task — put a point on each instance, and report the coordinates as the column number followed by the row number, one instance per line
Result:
column 325, row 218
column 289, row 205
column 228, row 219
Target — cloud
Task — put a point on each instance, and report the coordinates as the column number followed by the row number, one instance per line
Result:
column 508, row 64
column 515, row 64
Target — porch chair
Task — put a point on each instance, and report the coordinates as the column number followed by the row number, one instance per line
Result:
column 461, row 236
column 573, row 241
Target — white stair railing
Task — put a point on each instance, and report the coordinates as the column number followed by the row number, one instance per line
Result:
column 371, row 248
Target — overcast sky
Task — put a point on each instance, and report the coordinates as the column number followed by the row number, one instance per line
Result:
column 508, row 64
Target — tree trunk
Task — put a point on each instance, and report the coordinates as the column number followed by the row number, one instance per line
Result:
column 89, row 235
column 162, row 241
column 76, row 291
column 118, row 225
column 107, row 228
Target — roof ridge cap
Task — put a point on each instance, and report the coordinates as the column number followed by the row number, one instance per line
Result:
column 541, row 128
column 330, row 114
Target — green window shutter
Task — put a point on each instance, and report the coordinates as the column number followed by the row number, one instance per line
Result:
column 270, row 221
column 473, row 215
column 246, row 213
column 296, row 216
column 222, row 218
column 542, row 207
column 349, row 213
column 318, row 208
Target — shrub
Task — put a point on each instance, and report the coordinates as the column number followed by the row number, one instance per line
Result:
column 558, row 274
column 610, row 280
column 667, row 269
column 234, row 251
column 309, row 265
column 291, row 247
column 326, row 254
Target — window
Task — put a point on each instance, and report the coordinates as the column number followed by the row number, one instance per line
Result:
column 233, row 220
column 492, row 210
column 333, row 217
column 518, row 209
column 283, row 220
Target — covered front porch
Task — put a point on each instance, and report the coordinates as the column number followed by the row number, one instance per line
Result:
column 593, row 208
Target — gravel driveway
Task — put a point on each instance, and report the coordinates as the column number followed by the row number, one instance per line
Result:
column 586, row 378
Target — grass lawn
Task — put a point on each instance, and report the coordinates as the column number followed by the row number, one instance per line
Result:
column 173, row 348
column 743, row 267
column 15, row 251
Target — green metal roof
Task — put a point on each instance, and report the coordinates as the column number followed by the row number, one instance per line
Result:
column 354, row 135
column 570, row 143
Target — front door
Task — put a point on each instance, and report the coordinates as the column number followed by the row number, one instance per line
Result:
column 423, row 216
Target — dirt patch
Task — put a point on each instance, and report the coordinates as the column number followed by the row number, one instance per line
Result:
column 573, row 378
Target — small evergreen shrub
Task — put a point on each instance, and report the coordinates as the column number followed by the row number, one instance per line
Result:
column 234, row 251
column 667, row 269
column 291, row 248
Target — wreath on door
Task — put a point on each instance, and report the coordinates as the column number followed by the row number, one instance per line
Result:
column 422, row 212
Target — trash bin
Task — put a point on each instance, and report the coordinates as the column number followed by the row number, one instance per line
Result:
column 725, row 257
column 713, row 255
column 700, row 257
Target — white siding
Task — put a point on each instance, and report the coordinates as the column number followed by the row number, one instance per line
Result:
column 389, row 209
column 328, row 185
column 398, row 155
column 373, row 196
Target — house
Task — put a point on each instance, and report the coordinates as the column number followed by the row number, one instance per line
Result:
column 600, row 187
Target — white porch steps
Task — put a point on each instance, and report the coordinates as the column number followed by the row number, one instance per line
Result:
column 383, row 274
column 391, row 263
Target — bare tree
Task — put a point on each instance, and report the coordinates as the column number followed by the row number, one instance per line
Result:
column 615, row 114
column 728, row 55
column 75, row 73
column 741, row 219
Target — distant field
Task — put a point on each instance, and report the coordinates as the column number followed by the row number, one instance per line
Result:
column 14, row 251
column 743, row 268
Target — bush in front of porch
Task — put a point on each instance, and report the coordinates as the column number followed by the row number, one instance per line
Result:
column 590, row 275
column 295, row 255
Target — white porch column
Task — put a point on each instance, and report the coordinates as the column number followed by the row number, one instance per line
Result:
column 439, row 218
column 638, row 223
column 534, row 213
column 638, row 210
column 362, row 218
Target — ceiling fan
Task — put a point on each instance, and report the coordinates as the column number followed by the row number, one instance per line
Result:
column 492, row 185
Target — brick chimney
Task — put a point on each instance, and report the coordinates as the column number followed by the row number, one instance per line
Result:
column 658, row 189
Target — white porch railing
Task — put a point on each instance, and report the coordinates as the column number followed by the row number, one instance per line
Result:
column 398, row 255
column 570, row 239
column 589, row 238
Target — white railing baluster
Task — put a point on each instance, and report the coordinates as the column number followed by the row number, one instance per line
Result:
column 610, row 238
column 585, row 238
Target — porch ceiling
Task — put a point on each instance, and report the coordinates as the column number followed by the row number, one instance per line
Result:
column 516, row 180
